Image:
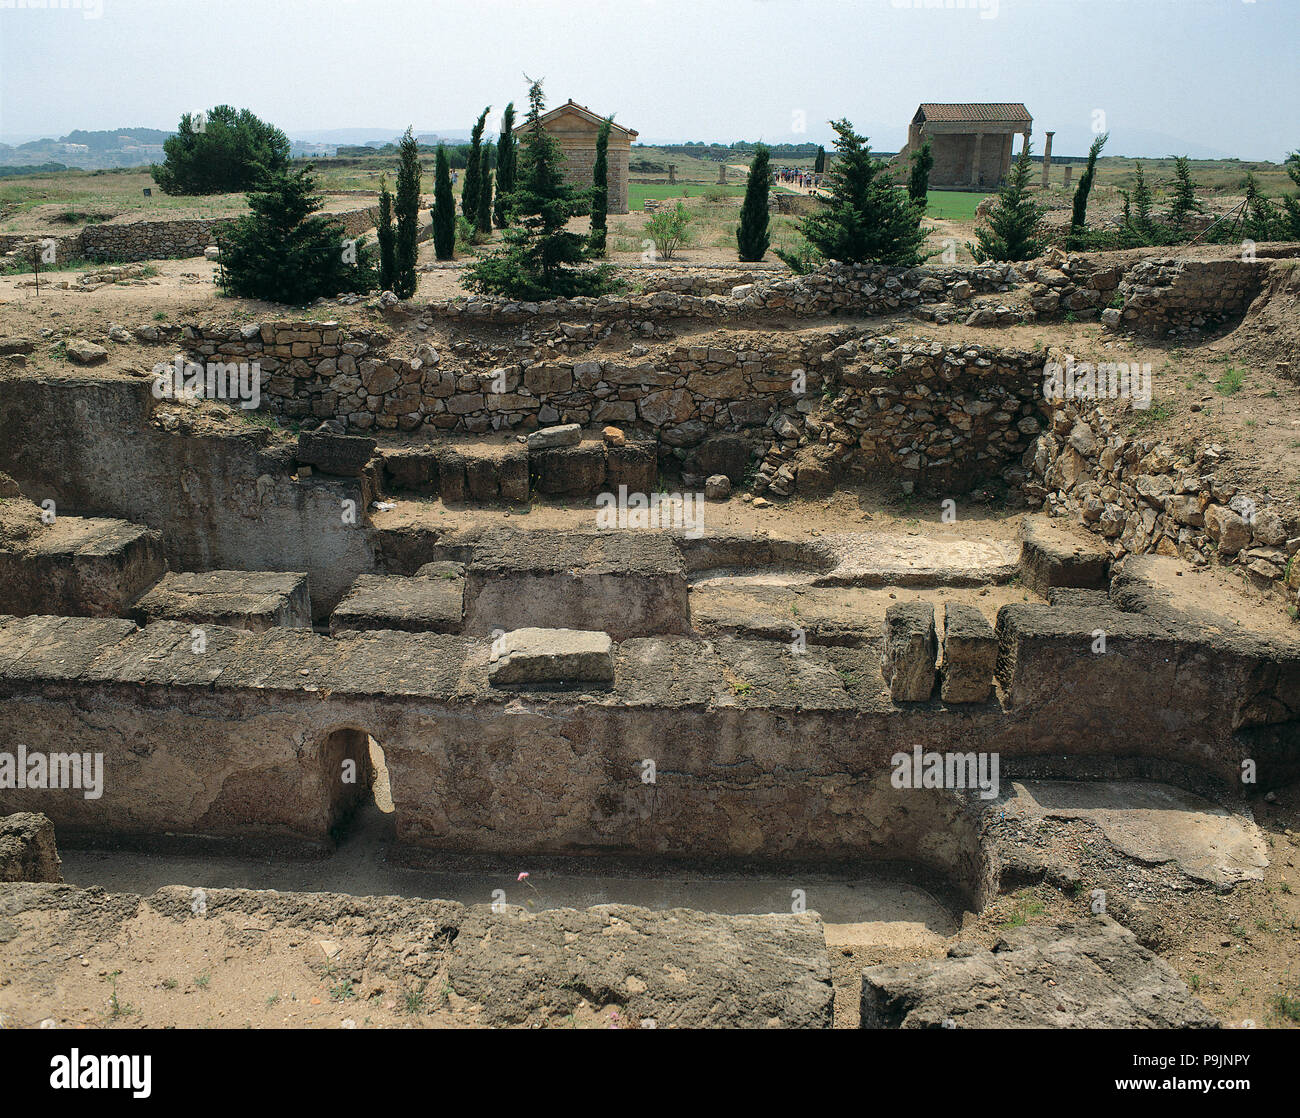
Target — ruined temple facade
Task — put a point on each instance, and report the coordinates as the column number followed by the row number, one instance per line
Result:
column 972, row 144
column 575, row 127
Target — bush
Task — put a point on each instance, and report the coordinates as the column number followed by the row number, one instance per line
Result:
column 224, row 152
column 282, row 253
column 1011, row 231
column 669, row 230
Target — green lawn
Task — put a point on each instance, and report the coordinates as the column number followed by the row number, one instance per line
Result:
column 952, row 205
column 638, row 192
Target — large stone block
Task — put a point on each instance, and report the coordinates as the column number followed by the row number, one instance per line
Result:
column 1089, row 975
column 627, row 583
column 27, row 848
column 552, row 658
column 573, row 471
column 342, row 455
column 431, row 602
column 250, row 600
column 970, row 654
column 908, row 654
column 1052, row 555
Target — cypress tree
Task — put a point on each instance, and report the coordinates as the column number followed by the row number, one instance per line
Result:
column 1011, row 232
column 819, row 164
column 1185, row 202
column 484, row 217
column 537, row 258
column 753, row 237
column 387, row 238
column 505, row 166
column 408, row 216
column 1142, row 203
column 867, row 218
column 918, row 183
column 444, row 209
column 1079, row 215
column 600, row 188
column 473, row 170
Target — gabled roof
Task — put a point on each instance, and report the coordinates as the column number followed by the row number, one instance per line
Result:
column 985, row 112
column 572, row 108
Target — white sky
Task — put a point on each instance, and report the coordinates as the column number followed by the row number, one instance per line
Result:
column 1201, row 76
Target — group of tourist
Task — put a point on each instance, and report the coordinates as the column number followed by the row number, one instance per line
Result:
column 795, row 176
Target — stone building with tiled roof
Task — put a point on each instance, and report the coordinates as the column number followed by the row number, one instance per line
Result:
column 972, row 144
column 575, row 127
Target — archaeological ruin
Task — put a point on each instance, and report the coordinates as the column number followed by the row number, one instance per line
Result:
column 575, row 127
column 972, row 144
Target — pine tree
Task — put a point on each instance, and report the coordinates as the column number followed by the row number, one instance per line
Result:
column 444, row 209
column 484, row 217
column 286, row 252
column 408, row 216
column 505, row 166
column 600, row 189
column 918, row 183
column 819, row 164
column 1141, row 217
column 1185, row 203
column 1261, row 220
column 1079, row 215
column 473, row 170
column 387, row 238
column 538, row 257
column 866, row 219
column 753, row 235
column 1011, row 232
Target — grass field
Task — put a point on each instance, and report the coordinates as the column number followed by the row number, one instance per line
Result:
column 638, row 192
column 952, row 205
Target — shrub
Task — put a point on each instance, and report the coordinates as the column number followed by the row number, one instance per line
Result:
column 1011, row 231
column 669, row 229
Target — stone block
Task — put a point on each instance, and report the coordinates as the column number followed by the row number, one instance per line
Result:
column 552, row 658
column 970, row 654
column 908, row 654
column 342, row 455
column 567, row 434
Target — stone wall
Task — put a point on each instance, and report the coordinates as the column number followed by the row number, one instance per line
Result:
column 1172, row 296
column 160, row 240
column 1147, row 496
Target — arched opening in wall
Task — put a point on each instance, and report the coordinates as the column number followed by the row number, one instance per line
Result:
column 363, row 813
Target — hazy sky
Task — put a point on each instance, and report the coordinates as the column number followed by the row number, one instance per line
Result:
column 1201, row 76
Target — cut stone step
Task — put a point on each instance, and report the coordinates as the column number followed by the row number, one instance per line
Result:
column 551, row 658
column 80, row 567
column 626, row 583
column 250, row 600
column 1054, row 555
column 431, row 602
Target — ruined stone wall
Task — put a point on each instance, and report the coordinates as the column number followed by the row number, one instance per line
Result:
column 160, row 240
column 93, row 445
column 1149, row 496
column 1174, row 296
column 247, row 740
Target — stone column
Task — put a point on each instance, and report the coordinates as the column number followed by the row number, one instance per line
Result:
column 975, row 160
column 1069, row 174
column 1047, row 161
column 722, row 174
column 672, row 173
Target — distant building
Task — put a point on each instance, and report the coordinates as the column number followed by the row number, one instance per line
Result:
column 575, row 127
column 972, row 144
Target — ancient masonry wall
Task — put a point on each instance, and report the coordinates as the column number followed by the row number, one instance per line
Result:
column 159, row 240
column 1145, row 496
